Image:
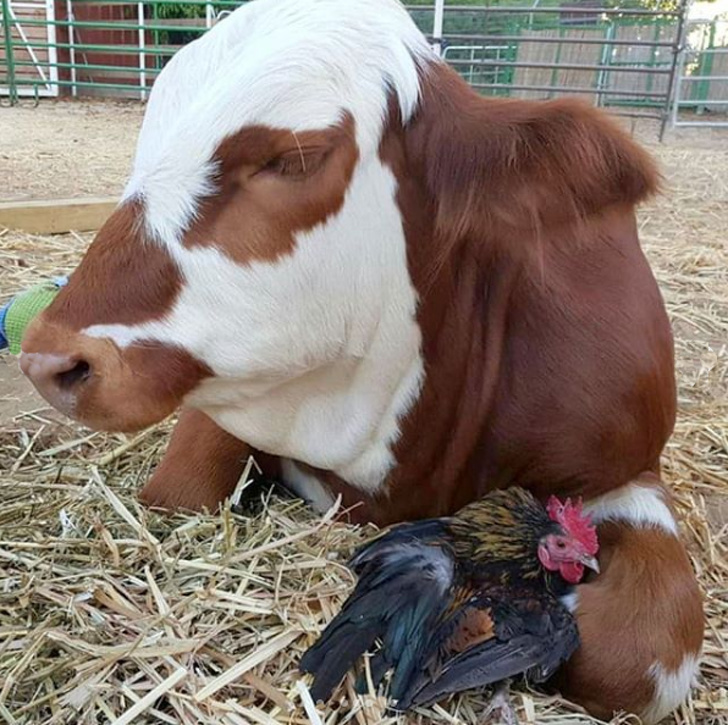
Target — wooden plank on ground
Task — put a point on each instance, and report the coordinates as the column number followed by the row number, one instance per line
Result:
column 56, row 216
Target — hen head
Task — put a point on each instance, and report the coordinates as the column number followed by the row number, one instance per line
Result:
column 572, row 548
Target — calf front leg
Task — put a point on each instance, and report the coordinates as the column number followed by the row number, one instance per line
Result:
column 201, row 467
column 641, row 620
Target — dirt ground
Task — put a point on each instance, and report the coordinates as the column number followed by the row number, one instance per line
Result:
column 82, row 149
column 65, row 149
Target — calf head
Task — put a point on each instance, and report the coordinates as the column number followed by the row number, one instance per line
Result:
column 258, row 249
column 304, row 172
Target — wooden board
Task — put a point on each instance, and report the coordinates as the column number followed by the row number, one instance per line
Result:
column 56, row 216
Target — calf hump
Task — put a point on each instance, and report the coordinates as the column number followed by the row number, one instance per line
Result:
column 500, row 165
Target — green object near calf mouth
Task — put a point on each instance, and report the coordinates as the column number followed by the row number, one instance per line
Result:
column 19, row 312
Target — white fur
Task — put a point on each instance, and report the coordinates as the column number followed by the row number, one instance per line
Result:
column 290, row 64
column 640, row 505
column 308, row 487
column 316, row 356
column 671, row 688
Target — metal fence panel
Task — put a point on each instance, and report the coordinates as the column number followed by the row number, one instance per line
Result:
column 28, row 51
column 624, row 58
column 701, row 85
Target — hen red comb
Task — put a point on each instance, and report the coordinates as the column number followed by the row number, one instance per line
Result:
column 575, row 522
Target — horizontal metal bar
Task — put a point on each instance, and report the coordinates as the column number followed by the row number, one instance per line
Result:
column 100, row 48
column 619, row 111
column 703, row 78
column 558, row 66
column 704, row 124
column 526, row 10
column 85, row 84
column 88, row 66
column 569, row 89
column 704, row 102
column 115, row 25
column 698, row 51
column 565, row 41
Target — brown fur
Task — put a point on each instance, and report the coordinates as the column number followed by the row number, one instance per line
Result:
column 643, row 608
column 548, row 350
column 123, row 278
column 129, row 389
column 200, row 451
column 500, row 166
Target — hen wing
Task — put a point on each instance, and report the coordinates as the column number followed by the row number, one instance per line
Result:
column 493, row 637
column 405, row 578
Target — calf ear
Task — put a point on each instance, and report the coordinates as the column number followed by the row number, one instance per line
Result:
column 499, row 165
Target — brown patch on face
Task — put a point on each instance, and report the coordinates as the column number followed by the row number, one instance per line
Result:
column 123, row 278
column 273, row 183
column 126, row 279
column 125, row 390
column 644, row 607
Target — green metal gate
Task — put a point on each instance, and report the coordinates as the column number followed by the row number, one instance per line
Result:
column 28, row 51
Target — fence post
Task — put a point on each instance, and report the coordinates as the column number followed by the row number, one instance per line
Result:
column 672, row 97
column 9, row 58
column 438, row 25
column 605, row 59
column 142, row 55
column 72, row 47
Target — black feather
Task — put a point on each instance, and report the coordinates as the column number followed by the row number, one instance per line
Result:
column 399, row 598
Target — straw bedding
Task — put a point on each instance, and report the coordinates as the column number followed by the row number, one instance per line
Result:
column 110, row 613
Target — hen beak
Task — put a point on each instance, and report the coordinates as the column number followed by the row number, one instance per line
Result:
column 590, row 562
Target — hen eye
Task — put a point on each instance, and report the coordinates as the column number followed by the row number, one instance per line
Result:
column 560, row 544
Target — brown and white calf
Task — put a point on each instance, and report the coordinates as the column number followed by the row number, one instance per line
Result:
column 333, row 252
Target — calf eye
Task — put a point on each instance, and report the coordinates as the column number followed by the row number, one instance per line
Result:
column 297, row 163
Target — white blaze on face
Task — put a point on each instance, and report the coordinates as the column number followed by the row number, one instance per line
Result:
column 316, row 356
column 297, row 65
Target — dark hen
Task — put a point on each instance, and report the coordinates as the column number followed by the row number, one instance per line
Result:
column 454, row 603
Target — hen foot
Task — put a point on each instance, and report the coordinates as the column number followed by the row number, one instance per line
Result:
column 500, row 710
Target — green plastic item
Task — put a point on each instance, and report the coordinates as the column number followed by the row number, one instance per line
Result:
column 21, row 311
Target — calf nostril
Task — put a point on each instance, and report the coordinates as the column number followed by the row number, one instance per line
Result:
column 68, row 379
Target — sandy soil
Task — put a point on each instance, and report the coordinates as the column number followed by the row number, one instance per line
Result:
column 65, row 149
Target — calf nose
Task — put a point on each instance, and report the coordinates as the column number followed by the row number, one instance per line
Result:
column 57, row 377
